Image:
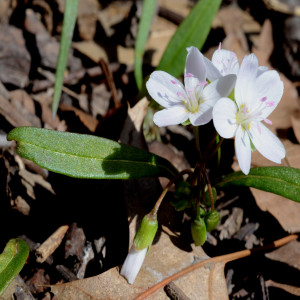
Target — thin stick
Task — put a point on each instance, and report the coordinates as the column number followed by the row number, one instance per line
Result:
column 223, row 258
column 110, row 81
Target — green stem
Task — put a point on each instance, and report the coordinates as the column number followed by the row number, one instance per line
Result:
column 215, row 149
column 196, row 132
column 154, row 211
column 212, row 203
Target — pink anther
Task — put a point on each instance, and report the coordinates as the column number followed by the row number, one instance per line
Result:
column 263, row 99
column 267, row 121
column 173, row 81
column 189, row 75
column 270, row 103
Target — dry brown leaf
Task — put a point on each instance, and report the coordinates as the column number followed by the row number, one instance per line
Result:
column 15, row 60
column 285, row 211
column 24, row 104
column 288, row 254
column 294, row 290
column 113, row 14
column 88, row 121
column 163, row 260
column 161, row 33
column 91, row 49
column 48, row 46
column 14, row 117
column 295, row 119
column 87, row 18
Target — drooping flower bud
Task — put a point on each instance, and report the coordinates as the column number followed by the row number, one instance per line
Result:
column 198, row 230
column 212, row 220
column 146, row 232
column 141, row 244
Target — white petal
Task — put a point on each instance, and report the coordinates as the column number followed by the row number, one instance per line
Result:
column 218, row 89
column 165, row 89
column 133, row 264
column 171, row 116
column 268, row 86
column 244, row 87
column 224, row 117
column 195, row 64
column 212, row 73
column 243, row 150
column 267, row 143
column 262, row 69
column 203, row 116
column 225, row 61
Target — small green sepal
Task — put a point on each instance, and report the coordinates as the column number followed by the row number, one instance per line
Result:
column 146, row 232
column 198, row 230
column 212, row 220
column 187, row 122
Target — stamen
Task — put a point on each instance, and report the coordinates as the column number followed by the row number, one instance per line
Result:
column 258, row 128
column 244, row 110
column 179, row 94
column 220, row 44
column 189, row 75
column 202, row 83
column 270, row 104
column 263, row 99
column 173, row 81
column 267, row 121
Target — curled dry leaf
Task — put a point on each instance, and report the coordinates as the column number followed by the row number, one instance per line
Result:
column 14, row 58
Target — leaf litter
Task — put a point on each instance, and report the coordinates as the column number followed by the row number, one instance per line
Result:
column 21, row 105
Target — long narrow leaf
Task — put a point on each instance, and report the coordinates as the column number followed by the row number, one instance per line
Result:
column 193, row 31
column 86, row 156
column 142, row 36
column 283, row 181
column 12, row 261
column 69, row 21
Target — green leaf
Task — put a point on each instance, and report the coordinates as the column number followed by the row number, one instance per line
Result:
column 283, row 181
column 69, row 21
column 12, row 261
column 193, row 31
column 86, row 156
column 142, row 36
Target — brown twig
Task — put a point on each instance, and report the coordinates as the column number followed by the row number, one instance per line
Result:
column 110, row 81
column 51, row 244
column 223, row 258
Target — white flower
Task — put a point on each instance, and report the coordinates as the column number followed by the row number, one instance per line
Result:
column 133, row 263
column 195, row 100
column 257, row 93
column 223, row 62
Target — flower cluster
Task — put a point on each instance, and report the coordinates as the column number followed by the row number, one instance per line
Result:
column 204, row 96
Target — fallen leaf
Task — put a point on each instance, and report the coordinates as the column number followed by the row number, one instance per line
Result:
column 48, row 46
column 8, row 111
column 294, row 290
column 113, row 14
column 88, row 121
column 91, row 49
column 295, row 119
column 288, row 254
column 87, row 18
column 15, row 60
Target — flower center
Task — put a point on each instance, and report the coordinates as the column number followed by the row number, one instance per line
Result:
column 243, row 117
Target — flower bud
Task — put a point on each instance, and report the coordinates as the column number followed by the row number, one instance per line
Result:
column 198, row 230
column 212, row 220
column 146, row 232
column 141, row 244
